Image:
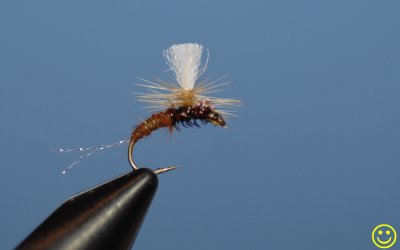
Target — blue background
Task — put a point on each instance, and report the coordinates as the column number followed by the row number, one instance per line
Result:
column 312, row 162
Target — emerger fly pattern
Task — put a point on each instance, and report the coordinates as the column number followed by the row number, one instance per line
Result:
column 184, row 102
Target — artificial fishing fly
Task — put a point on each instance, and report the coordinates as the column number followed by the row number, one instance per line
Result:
column 184, row 101
column 181, row 103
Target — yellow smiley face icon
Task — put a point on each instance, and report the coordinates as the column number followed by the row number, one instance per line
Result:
column 384, row 236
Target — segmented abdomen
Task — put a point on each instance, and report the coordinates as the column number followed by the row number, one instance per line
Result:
column 154, row 122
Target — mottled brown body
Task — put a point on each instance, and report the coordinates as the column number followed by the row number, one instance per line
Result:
column 173, row 117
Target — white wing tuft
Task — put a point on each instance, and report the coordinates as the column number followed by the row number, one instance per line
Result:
column 185, row 60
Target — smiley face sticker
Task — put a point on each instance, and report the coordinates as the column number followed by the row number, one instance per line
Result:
column 384, row 236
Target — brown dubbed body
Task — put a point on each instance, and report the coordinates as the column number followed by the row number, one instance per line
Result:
column 185, row 116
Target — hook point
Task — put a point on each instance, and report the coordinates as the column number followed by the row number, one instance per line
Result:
column 163, row 170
